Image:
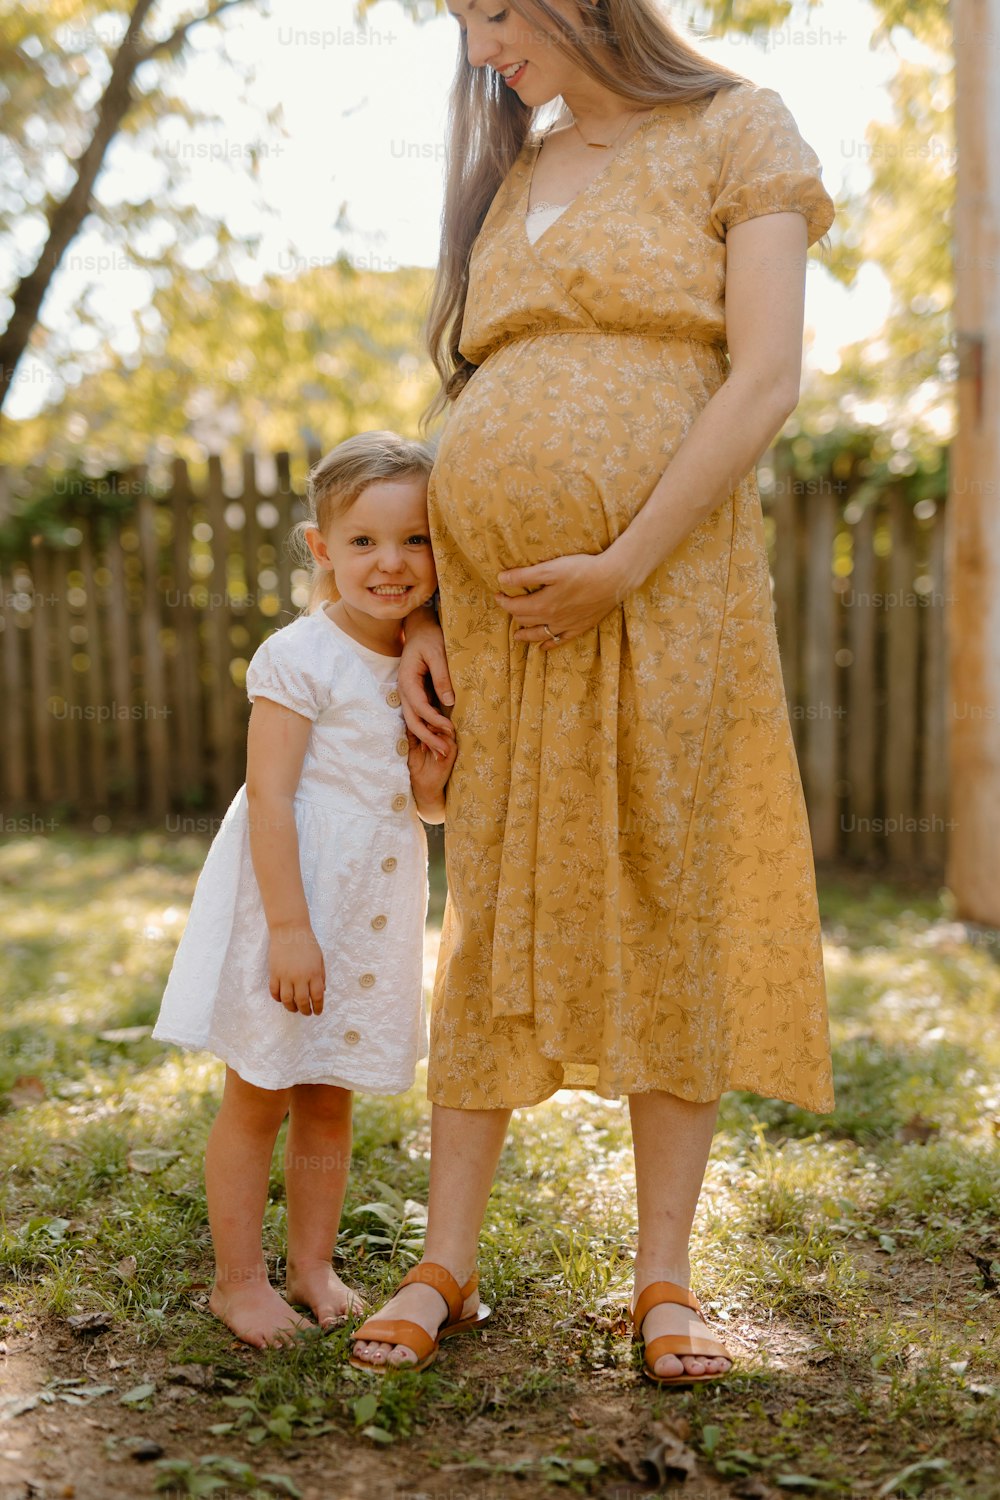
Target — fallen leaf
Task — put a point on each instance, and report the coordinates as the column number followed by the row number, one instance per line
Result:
column 138, row 1393
column 147, row 1159
column 986, row 1271
column 917, row 1130
column 27, row 1089
column 92, row 1322
column 666, row 1457
column 143, row 1450
column 200, row 1377
column 127, row 1267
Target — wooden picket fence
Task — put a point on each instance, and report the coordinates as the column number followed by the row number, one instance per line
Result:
column 124, row 651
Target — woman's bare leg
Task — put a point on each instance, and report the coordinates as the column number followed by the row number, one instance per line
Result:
column 237, row 1170
column 671, row 1139
column 317, row 1164
column 465, row 1149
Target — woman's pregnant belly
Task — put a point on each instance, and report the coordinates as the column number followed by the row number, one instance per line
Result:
column 558, row 439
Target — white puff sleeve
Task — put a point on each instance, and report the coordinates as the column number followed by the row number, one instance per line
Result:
column 291, row 668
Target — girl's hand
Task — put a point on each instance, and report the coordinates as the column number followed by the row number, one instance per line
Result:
column 424, row 656
column 297, row 970
column 429, row 772
column 568, row 594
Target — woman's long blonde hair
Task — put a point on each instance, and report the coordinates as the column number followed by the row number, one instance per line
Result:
column 647, row 62
column 336, row 481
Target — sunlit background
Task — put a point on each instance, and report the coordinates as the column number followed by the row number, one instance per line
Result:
column 352, row 157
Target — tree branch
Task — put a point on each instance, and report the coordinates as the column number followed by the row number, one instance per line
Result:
column 65, row 218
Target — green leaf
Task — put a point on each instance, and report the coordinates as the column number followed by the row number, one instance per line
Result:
column 282, row 1484
column 710, row 1439
column 138, row 1393
column 365, row 1408
column 910, row 1472
column 377, row 1435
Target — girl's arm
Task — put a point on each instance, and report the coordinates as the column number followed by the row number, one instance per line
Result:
column 765, row 291
column 276, row 747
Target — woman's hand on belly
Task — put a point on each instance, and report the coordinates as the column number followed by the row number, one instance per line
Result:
column 568, row 594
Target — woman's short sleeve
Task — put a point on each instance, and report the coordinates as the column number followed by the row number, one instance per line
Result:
column 290, row 668
column 765, row 167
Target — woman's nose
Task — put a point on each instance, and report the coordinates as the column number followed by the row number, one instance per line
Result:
column 480, row 47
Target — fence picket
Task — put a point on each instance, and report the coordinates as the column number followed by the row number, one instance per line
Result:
column 861, row 642
column 901, row 661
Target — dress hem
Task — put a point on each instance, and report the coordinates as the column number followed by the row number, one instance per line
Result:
column 605, row 1092
column 191, row 1045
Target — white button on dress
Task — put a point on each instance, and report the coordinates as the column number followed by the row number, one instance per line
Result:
column 348, row 810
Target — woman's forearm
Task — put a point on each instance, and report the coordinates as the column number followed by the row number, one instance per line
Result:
column 722, row 445
column 274, row 853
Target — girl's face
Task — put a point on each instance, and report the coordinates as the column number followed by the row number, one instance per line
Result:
column 380, row 549
column 498, row 37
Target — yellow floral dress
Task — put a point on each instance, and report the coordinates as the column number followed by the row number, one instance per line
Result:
column 631, row 896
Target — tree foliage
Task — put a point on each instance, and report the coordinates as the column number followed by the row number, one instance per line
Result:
column 87, row 87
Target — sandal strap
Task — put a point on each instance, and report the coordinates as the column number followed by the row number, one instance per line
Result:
column 429, row 1273
column 397, row 1331
column 659, row 1292
column 679, row 1344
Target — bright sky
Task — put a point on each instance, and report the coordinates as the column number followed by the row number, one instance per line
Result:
column 363, row 126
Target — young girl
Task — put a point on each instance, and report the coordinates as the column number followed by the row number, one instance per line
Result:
column 301, row 964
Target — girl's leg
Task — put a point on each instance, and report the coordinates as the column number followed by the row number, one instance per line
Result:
column 465, row 1149
column 317, row 1161
column 671, row 1138
column 237, row 1169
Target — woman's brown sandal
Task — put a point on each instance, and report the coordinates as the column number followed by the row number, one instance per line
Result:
column 678, row 1344
column 401, row 1331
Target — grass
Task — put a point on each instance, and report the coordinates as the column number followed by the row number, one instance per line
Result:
column 852, row 1260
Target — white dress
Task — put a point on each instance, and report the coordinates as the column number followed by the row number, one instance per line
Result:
column 363, row 853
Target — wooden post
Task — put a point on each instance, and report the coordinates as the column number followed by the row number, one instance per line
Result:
column 973, row 536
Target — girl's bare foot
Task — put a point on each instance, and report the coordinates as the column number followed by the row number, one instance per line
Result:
column 256, row 1313
column 417, row 1304
column 320, row 1288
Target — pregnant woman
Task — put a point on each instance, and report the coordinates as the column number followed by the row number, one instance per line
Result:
column 617, row 322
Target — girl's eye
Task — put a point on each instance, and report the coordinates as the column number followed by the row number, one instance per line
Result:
column 422, row 541
column 361, row 541
column 500, row 16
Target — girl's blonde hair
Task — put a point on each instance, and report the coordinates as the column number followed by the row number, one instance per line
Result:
column 337, row 480
column 630, row 47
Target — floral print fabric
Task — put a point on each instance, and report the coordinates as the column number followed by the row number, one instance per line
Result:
column 631, row 898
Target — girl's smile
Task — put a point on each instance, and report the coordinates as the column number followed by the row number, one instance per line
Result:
column 379, row 551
